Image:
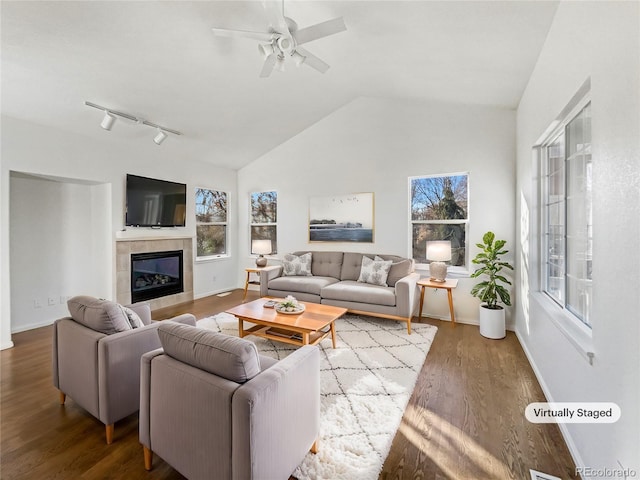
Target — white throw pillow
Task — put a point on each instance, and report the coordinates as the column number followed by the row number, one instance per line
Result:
column 374, row 272
column 297, row 266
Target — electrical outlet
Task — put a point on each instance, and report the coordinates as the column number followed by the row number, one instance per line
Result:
column 37, row 303
column 51, row 301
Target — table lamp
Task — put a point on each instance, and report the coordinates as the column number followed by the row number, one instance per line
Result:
column 438, row 252
column 262, row 248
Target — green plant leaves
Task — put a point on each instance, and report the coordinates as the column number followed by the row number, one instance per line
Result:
column 489, row 291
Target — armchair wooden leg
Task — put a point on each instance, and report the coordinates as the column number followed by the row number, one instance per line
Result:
column 109, row 433
column 314, row 447
column 62, row 397
column 148, row 458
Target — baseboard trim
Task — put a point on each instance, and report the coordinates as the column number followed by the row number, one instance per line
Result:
column 573, row 450
column 6, row 345
column 466, row 321
column 32, row 326
column 213, row 292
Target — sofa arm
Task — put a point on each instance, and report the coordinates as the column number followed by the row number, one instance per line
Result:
column 282, row 402
column 75, row 362
column 266, row 274
column 144, row 420
column 407, row 295
column 185, row 319
column 119, row 370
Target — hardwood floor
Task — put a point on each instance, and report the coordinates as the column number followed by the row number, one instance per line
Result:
column 465, row 419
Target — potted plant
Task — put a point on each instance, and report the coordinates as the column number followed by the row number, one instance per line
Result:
column 490, row 291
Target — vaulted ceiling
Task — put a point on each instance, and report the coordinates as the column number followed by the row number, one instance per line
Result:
column 160, row 61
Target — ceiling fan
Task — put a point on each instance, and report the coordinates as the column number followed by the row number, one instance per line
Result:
column 283, row 40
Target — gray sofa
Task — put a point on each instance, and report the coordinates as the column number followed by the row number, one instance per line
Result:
column 334, row 281
column 212, row 407
column 96, row 356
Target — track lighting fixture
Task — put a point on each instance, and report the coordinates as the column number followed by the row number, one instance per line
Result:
column 108, row 120
column 110, row 117
column 160, row 136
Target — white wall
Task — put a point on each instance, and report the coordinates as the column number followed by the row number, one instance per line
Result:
column 600, row 40
column 54, row 254
column 374, row 145
column 33, row 149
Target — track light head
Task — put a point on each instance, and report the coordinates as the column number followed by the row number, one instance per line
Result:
column 160, row 136
column 108, row 120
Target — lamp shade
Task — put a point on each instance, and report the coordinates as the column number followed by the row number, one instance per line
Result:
column 439, row 251
column 261, row 247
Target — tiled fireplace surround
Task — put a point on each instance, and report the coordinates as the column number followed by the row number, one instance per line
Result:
column 124, row 249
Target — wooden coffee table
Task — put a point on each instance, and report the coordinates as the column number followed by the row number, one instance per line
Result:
column 306, row 328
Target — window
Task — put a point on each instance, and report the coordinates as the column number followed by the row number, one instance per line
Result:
column 567, row 225
column 439, row 211
column 264, row 210
column 211, row 223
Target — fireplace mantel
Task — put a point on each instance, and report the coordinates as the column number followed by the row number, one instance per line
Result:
column 126, row 246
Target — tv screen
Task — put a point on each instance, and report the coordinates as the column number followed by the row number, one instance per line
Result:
column 155, row 203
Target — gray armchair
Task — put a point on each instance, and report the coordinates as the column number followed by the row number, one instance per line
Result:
column 212, row 407
column 98, row 366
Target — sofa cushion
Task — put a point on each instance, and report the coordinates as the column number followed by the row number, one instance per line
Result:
column 352, row 291
column 229, row 357
column 97, row 314
column 297, row 265
column 400, row 268
column 351, row 265
column 301, row 284
column 325, row 264
column 374, row 272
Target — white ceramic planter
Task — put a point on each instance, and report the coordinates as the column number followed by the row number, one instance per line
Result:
column 492, row 323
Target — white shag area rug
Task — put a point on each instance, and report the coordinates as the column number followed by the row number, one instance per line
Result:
column 365, row 385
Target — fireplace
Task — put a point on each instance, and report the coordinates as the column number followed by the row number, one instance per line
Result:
column 156, row 274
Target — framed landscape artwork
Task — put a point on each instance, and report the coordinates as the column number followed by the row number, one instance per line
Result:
column 341, row 218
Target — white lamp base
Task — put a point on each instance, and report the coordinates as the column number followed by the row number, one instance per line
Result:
column 261, row 261
column 438, row 272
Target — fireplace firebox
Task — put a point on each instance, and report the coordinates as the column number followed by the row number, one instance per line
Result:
column 156, row 274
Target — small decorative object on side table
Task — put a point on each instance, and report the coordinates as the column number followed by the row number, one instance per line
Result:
column 449, row 284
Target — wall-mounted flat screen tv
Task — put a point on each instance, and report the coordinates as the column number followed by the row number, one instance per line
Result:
column 155, row 203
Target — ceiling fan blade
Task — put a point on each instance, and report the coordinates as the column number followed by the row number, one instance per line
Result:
column 275, row 15
column 319, row 30
column 313, row 61
column 268, row 65
column 262, row 36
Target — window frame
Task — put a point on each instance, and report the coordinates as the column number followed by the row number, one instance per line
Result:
column 225, row 224
column 579, row 331
column 274, row 245
column 452, row 270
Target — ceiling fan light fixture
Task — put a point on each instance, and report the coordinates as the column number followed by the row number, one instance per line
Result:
column 160, row 137
column 108, row 120
column 298, row 58
column 280, row 63
column 266, row 49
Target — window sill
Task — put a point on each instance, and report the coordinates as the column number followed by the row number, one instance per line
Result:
column 577, row 336
column 212, row 258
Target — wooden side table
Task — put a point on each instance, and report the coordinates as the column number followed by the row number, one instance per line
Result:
column 248, row 281
column 448, row 285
